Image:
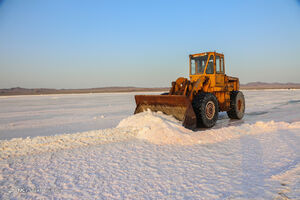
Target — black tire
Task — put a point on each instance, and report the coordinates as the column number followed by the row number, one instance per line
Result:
column 237, row 105
column 206, row 108
column 165, row 93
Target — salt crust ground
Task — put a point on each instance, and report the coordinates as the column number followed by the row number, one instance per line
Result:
column 151, row 156
column 156, row 128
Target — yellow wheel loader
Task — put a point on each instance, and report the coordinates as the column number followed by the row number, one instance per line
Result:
column 198, row 100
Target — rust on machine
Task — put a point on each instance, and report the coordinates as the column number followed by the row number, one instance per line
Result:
column 176, row 105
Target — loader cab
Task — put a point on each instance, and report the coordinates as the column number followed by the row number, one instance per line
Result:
column 209, row 64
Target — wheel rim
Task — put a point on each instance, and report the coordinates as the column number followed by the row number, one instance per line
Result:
column 210, row 110
column 239, row 105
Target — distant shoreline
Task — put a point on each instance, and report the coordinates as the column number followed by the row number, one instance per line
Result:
column 46, row 91
column 263, row 86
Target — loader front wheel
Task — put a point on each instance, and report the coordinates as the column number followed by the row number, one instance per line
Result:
column 237, row 105
column 206, row 108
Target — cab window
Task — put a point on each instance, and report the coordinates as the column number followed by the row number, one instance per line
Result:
column 201, row 65
column 210, row 65
column 218, row 66
column 222, row 65
column 193, row 67
column 198, row 64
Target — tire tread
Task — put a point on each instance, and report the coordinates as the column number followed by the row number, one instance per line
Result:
column 199, row 109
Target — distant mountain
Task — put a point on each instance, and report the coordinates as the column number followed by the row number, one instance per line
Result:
column 275, row 85
column 25, row 91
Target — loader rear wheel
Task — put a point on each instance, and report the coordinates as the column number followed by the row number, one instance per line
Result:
column 206, row 108
column 237, row 105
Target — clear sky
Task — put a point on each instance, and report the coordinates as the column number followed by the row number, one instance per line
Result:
column 82, row 44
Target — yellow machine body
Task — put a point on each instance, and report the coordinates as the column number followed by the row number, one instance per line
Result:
column 207, row 74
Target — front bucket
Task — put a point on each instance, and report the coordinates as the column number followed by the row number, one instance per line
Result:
column 176, row 105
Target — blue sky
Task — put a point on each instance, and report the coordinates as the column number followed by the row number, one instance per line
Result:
column 82, row 44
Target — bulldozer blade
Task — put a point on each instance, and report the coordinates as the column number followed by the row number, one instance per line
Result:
column 176, row 105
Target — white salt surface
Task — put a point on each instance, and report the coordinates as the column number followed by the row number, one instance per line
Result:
column 151, row 156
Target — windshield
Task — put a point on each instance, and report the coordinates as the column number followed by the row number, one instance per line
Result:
column 198, row 64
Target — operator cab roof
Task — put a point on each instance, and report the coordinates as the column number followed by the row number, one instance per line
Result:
column 206, row 53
